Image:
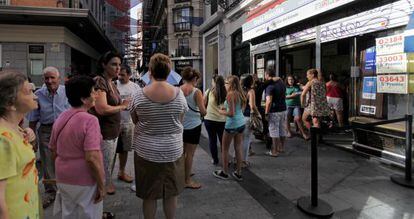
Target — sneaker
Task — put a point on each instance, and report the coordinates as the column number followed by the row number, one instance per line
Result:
column 220, row 174
column 237, row 176
column 133, row 188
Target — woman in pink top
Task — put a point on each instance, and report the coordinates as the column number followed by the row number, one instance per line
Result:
column 334, row 97
column 75, row 145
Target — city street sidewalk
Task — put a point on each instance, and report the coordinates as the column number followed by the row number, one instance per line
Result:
column 356, row 187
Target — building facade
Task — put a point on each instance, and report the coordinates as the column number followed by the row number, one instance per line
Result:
column 184, row 18
column 224, row 52
column 154, row 29
column 67, row 34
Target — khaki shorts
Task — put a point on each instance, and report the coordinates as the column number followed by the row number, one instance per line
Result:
column 125, row 137
column 158, row 180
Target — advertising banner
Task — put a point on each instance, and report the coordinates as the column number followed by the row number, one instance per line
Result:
column 369, row 89
column 282, row 13
column 393, row 84
column 385, row 17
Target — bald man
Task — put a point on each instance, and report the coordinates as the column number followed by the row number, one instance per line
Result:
column 52, row 101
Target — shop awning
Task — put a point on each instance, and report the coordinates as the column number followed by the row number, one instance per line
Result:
column 78, row 21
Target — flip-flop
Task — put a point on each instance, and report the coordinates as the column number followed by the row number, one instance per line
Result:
column 193, row 185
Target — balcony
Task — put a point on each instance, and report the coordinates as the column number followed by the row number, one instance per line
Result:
column 182, row 26
column 183, row 52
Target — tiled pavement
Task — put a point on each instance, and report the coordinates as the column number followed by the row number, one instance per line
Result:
column 355, row 186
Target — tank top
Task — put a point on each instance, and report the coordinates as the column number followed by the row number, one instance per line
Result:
column 192, row 117
column 247, row 110
column 238, row 118
column 333, row 90
column 213, row 113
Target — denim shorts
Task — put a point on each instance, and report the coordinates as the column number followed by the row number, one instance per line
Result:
column 236, row 130
column 293, row 111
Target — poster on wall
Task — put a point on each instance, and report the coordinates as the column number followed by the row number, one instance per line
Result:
column 390, row 44
column 370, row 55
column 394, row 63
column 369, row 89
column 393, row 84
column 260, row 63
column 260, row 73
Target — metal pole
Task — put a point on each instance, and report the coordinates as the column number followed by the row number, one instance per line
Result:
column 408, row 150
column 314, row 167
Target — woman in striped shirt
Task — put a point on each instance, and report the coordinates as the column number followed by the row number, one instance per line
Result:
column 157, row 111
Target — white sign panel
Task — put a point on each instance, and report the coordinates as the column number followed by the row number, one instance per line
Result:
column 385, row 17
column 304, row 35
column 286, row 13
column 392, row 84
column 368, row 109
column 260, row 63
column 395, row 63
column 390, row 45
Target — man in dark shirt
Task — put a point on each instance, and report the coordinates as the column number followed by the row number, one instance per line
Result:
column 275, row 112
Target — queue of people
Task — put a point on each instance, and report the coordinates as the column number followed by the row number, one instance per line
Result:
column 83, row 125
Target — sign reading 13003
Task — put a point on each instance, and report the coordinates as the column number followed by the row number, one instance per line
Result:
column 395, row 63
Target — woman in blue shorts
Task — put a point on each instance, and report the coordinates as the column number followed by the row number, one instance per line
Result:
column 234, row 127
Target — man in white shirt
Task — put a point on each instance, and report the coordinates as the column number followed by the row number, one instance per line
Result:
column 126, row 89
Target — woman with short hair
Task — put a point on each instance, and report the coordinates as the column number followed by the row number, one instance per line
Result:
column 192, row 121
column 157, row 111
column 76, row 149
column 108, row 109
column 19, row 194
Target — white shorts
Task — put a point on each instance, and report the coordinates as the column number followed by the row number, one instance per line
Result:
column 277, row 124
column 335, row 103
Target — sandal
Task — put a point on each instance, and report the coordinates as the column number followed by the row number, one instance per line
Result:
column 193, row 185
column 126, row 178
column 245, row 164
column 110, row 190
column 108, row 215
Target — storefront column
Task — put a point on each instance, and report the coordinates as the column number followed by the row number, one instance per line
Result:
column 277, row 64
column 318, row 48
column 354, row 74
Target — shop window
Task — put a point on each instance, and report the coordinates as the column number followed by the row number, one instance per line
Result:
column 240, row 54
column 182, row 19
column 183, row 47
column 213, row 6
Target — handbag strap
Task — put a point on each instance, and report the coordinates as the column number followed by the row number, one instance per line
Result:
column 57, row 136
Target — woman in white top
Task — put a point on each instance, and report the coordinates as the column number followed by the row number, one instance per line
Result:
column 157, row 111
